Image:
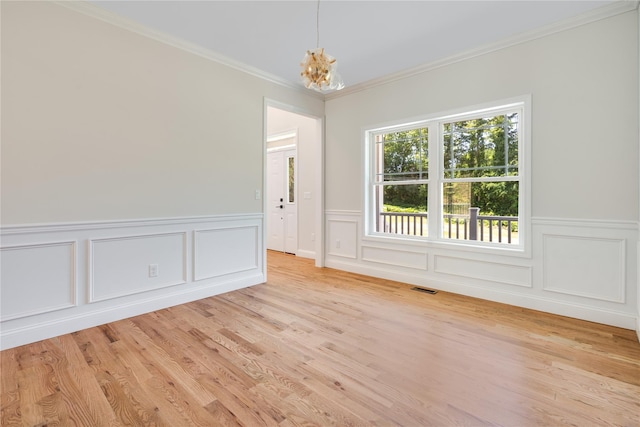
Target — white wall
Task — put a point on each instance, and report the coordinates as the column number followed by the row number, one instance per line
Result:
column 280, row 121
column 120, row 151
column 583, row 84
column 100, row 123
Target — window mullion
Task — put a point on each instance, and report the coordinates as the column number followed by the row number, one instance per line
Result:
column 377, row 159
column 435, row 177
column 499, row 178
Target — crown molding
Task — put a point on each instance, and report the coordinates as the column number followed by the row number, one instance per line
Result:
column 86, row 8
column 89, row 9
column 607, row 11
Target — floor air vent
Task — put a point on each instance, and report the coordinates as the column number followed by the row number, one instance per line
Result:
column 425, row 290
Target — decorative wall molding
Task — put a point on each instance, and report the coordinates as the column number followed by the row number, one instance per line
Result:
column 119, row 266
column 402, row 258
column 604, row 315
column 588, row 262
column 584, row 266
column 497, row 272
column 99, row 272
column 9, row 230
column 578, row 268
column 45, row 277
column 220, row 251
column 585, row 223
column 343, row 213
column 342, row 237
column 43, row 327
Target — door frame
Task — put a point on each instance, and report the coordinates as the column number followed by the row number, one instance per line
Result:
column 318, row 181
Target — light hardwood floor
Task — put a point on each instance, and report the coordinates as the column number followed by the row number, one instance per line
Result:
column 324, row 347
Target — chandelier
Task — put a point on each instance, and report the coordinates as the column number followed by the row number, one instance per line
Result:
column 319, row 69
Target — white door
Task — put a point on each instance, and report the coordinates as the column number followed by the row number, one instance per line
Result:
column 282, row 212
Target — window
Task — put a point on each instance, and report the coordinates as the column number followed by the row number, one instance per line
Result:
column 291, row 176
column 455, row 178
column 401, row 188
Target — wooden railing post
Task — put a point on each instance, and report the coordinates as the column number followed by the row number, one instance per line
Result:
column 473, row 223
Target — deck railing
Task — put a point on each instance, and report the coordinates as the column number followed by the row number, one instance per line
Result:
column 407, row 223
column 485, row 228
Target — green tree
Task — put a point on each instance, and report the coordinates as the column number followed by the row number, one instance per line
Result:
column 481, row 147
column 485, row 147
column 405, row 158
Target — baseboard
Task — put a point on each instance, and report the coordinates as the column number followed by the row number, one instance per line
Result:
column 93, row 273
column 534, row 302
column 306, row 254
column 64, row 325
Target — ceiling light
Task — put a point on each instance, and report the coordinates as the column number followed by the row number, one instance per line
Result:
column 319, row 69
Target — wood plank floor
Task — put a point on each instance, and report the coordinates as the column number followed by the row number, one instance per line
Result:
column 323, row 347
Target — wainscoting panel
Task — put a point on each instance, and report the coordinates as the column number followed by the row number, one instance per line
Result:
column 37, row 278
column 122, row 266
column 223, row 251
column 587, row 269
column 403, row 258
column 585, row 266
column 342, row 239
column 490, row 271
column 60, row 278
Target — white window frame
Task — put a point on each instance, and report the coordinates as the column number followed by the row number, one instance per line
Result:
column 434, row 123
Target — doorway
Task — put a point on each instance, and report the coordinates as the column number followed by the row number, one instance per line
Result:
column 293, row 173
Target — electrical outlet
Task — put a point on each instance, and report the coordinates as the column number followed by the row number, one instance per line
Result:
column 337, row 244
column 257, row 194
column 153, row 270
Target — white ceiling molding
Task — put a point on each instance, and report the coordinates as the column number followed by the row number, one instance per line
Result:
column 89, row 9
column 94, row 11
column 603, row 12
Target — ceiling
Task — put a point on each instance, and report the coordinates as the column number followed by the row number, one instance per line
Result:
column 370, row 39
